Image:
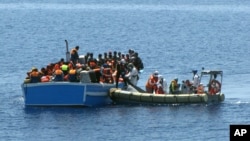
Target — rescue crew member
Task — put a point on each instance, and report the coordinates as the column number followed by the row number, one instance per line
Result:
column 161, row 85
column 196, row 79
column 132, row 74
column 174, row 86
column 151, row 84
column 200, row 89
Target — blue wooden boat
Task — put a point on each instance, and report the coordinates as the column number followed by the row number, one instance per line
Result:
column 66, row 94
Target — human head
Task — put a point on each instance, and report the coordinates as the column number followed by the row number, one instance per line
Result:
column 130, row 66
column 123, row 61
column 195, row 71
column 77, row 47
column 155, row 74
column 176, row 79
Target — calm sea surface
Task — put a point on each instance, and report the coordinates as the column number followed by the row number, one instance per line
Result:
column 170, row 36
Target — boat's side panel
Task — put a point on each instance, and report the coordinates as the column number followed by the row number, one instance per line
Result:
column 44, row 94
column 97, row 94
column 135, row 97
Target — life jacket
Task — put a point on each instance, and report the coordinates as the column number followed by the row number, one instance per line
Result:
column 58, row 75
column 159, row 90
column 72, row 76
column 45, row 78
column 151, row 82
column 35, row 77
column 107, row 75
column 65, row 67
column 173, row 86
column 200, row 89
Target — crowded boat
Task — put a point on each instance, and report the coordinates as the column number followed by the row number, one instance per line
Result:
column 87, row 80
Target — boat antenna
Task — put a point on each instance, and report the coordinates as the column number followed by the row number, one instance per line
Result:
column 67, row 51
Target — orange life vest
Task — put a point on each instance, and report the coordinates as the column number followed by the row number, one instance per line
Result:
column 45, row 78
column 200, row 89
column 151, row 81
column 58, row 72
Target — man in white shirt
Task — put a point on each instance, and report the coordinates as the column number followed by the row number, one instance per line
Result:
column 196, row 79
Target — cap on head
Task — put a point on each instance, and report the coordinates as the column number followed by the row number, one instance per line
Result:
column 155, row 74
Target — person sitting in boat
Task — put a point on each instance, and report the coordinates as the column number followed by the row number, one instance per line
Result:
column 65, row 68
column 132, row 74
column 200, row 89
column 174, row 87
column 74, row 57
column 121, row 70
column 58, row 73
column 35, row 75
column 161, row 86
column 151, row 84
column 214, row 85
column 72, row 75
column 186, row 87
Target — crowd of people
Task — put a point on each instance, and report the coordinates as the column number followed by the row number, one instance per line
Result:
column 109, row 67
column 156, row 84
column 113, row 67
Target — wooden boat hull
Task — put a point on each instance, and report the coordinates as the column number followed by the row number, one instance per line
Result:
column 66, row 94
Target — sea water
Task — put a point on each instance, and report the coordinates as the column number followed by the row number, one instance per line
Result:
column 171, row 36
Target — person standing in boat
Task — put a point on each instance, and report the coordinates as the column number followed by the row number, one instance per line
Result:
column 137, row 62
column 121, row 70
column 151, row 84
column 196, row 79
column 74, row 57
column 132, row 75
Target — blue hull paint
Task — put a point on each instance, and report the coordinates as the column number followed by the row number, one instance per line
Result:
column 66, row 94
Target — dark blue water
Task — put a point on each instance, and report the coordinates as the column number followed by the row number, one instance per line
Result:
column 172, row 37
